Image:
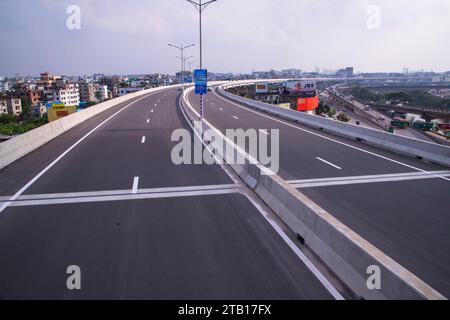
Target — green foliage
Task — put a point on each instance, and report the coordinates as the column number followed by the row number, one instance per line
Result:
column 343, row 117
column 11, row 125
column 416, row 98
column 324, row 108
column 90, row 103
column 365, row 94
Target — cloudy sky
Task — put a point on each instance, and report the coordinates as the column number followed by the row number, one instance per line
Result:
column 131, row 36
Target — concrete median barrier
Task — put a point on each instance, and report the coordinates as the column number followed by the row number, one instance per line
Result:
column 20, row 146
column 436, row 153
column 343, row 251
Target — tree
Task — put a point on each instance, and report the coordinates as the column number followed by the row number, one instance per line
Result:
column 98, row 96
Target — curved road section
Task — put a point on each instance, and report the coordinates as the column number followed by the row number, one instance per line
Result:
column 398, row 204
column 106, row 197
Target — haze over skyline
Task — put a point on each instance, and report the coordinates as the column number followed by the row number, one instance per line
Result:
column 126, row 37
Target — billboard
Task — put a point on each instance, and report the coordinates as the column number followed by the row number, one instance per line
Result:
column 305, row 87
column 307, row 104
column 262, row 88
column 57, row 110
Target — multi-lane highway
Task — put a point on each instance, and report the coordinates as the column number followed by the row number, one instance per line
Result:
column 399, row 204
column 106, row 197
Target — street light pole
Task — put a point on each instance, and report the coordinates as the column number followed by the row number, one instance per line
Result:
column 182, row 48
column 199, row 6
column 190, row 63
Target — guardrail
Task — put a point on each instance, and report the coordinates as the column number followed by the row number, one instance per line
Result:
column 429, row 151
column 340, row 248
column 20, row 146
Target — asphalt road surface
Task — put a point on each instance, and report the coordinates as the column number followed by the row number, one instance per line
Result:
column 138, row 226
column 408, row 219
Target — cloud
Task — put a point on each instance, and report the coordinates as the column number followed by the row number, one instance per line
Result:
column 132, row 36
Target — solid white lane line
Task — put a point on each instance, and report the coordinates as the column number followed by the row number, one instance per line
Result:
column 391, row 175
column 236, row 117
column 135, row 187
column 374, row 179
column 316, row 272
column 148, row 120
column 329, row 163
column 328, row 138
column 49, row 196
column 123, row 197
column 264, row 131
column 40, row 174
column 143, row 139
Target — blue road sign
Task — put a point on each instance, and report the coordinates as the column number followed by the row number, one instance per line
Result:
column 201, row 81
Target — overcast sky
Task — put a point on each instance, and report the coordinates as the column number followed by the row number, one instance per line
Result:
column 131, row 36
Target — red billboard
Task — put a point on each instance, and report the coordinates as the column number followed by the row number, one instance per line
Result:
column 307, row 104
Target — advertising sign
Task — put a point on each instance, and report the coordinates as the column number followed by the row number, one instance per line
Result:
column 262, row 88
column 201, row 81
column 297, row 87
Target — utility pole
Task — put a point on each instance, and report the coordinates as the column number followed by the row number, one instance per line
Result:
column 199, row 6
column 182, row 48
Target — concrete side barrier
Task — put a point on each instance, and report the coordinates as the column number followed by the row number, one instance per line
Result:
column 20, row 146
column 429, row 151
column 346, row 253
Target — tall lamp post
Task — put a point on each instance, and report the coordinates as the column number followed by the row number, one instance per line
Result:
column 182, row 48
column 190, row 63
column 199, row 6
column 184, row 64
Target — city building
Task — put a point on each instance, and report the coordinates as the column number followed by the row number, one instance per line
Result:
column 3, row 107
column 47, row 80
column 13, row 105
column 32, row 97
column 69, row 95
column 441, row 78
column 103, row 92
column 345, row 73
column 127, row 90
column 291, row 73
column 87, row 91
column 38, row 110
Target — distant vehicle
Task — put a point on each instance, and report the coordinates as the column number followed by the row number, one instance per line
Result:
column 180, row 89
column 399, row 123
column 209, row 88
column 368, row 109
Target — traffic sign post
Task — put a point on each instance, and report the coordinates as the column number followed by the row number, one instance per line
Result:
column 201, row 86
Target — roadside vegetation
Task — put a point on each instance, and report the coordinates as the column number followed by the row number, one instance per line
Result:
column 13, row 125
column 419, row 98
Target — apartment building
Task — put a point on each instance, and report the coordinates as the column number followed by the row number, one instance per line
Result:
column 69, row 95
column 3, row 107
column 103, row 92
column 11, row 105
column 87, row 91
